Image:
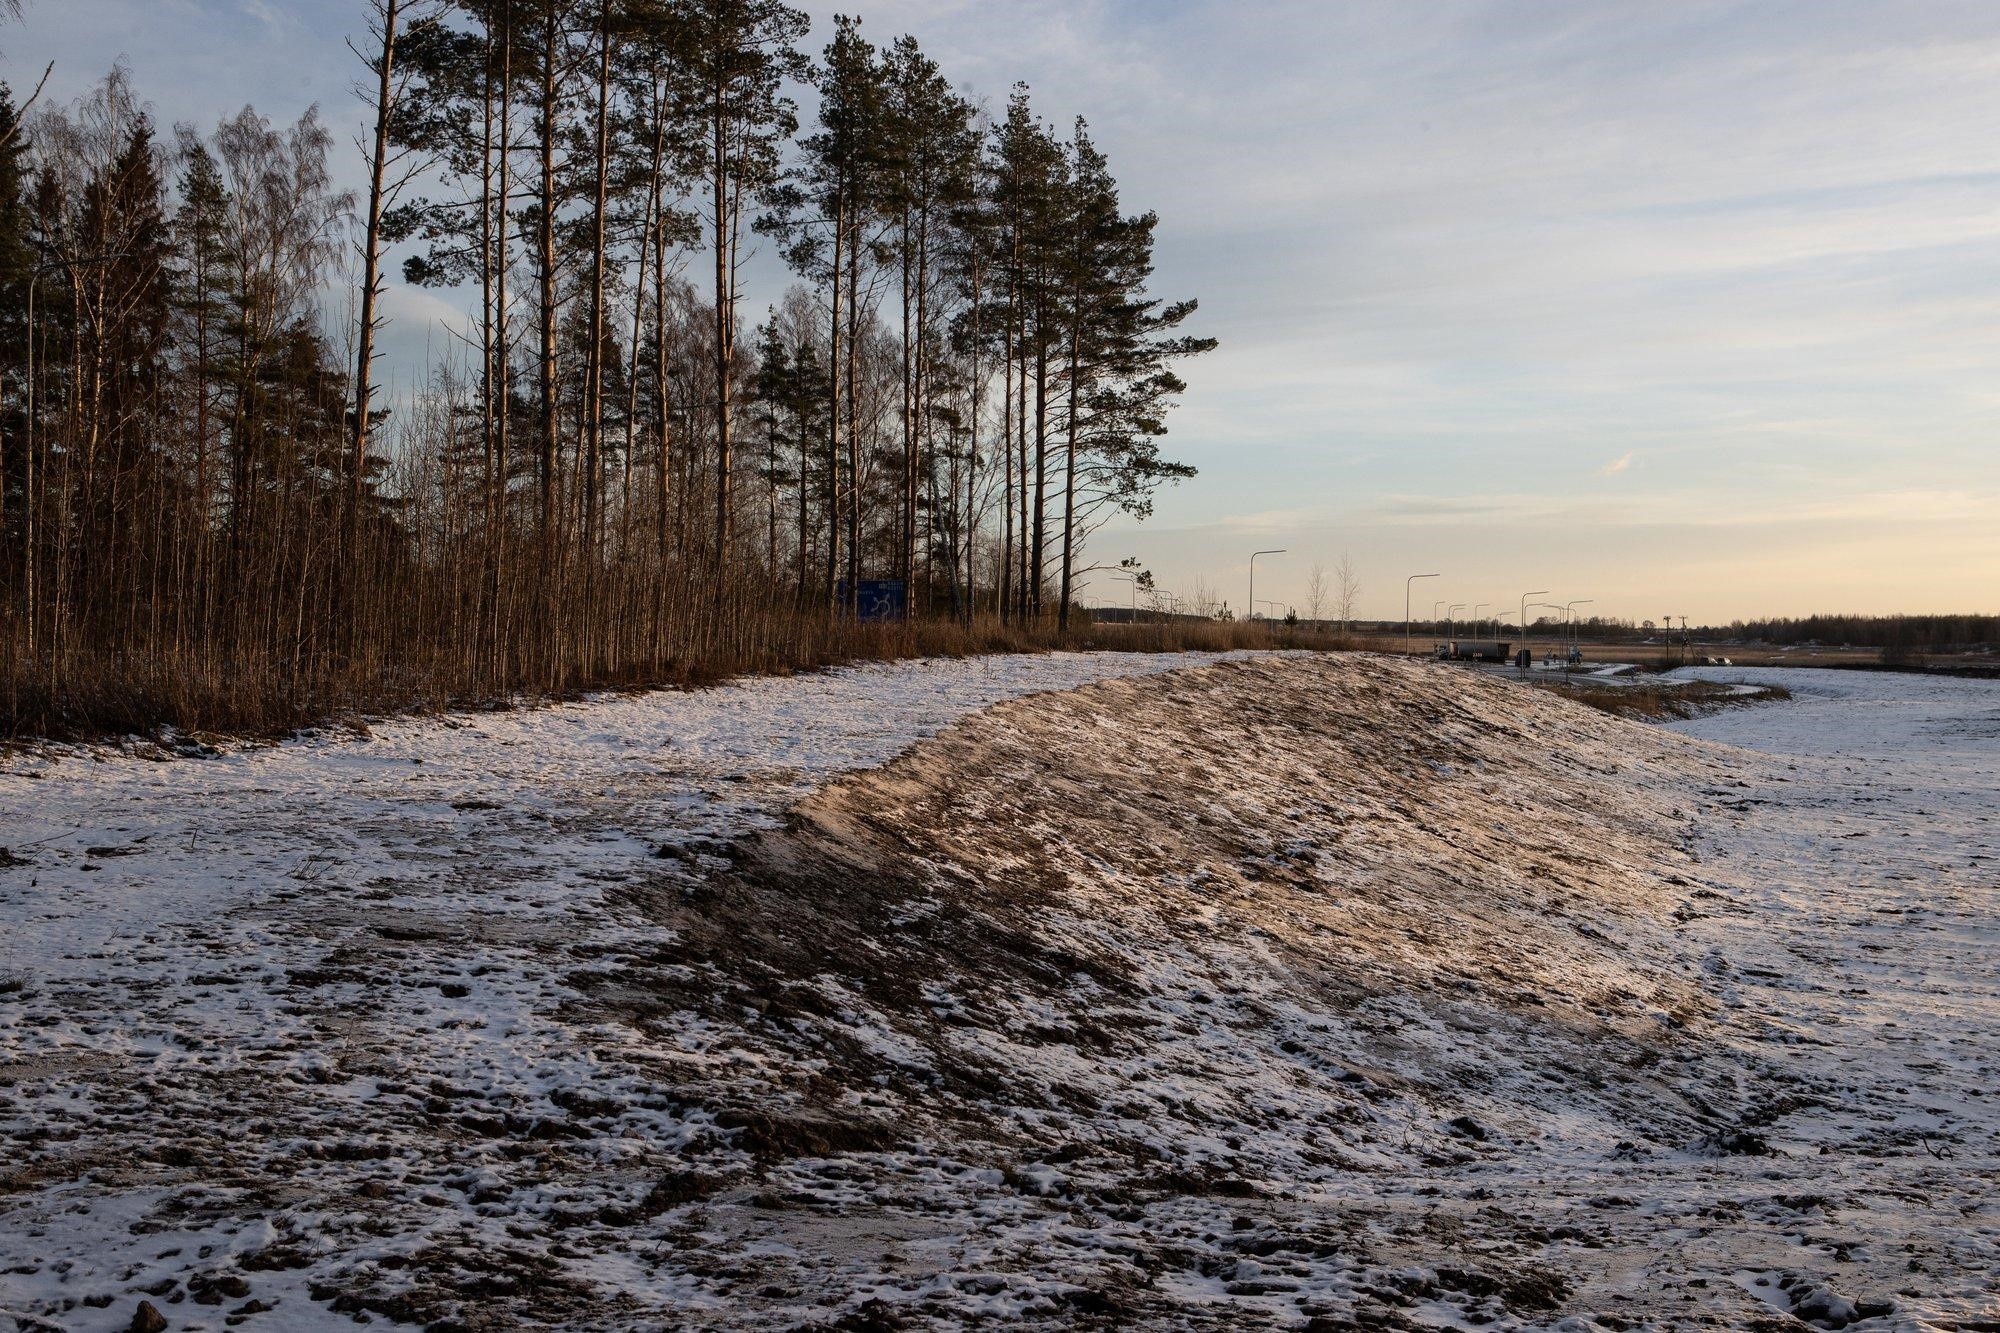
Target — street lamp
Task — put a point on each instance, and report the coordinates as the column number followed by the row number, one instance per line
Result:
column 1251, row 605
column 1451, row 613
column 1406, row 607
column 1539, row 592
column 1551, row 606
column 1569, row 609
column 1132, row 579
column 1477, row 619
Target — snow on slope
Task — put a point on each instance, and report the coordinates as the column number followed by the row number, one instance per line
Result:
column 1359, row 993
column 1309, row 992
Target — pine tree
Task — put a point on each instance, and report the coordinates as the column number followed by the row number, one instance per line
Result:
column 552, row 58
column 457, row 113
column 820, row 211
column 1029, row 175
column 16, row 268
column 202, row 303
column 664, row 138
column 738, row 55
column 388, row 20
column 930, row 150
column 1119, row 378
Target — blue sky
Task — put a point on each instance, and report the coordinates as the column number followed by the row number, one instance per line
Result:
column 1685, row 308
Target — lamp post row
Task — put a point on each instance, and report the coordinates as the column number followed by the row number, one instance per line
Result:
column 1568, row 609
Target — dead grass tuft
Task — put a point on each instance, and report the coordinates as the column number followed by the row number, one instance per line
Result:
column 1658, row 703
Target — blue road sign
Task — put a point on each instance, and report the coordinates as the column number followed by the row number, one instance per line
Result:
column 879, row 599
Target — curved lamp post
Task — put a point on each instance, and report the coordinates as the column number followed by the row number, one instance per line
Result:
column 1132, row 579
column 1250, row 608
column 1525, row 643
column 1406, row 607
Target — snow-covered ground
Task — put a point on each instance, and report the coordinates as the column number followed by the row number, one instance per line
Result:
column 289, row 1009
column 1865, row 968
column 1347, row 991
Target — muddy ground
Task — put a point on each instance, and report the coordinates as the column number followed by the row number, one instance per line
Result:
column 1326, row 992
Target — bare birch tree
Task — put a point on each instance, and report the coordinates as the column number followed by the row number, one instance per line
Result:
column 1346, row 590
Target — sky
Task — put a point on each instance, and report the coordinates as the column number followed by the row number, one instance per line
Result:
column 1686, row 309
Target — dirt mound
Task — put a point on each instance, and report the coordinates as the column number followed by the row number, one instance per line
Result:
column 1146, row 949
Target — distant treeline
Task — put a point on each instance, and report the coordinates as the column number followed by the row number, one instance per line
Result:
column 209, row 514
column 1917, row 634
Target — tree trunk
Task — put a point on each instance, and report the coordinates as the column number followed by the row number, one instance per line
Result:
column 1039, row 567
column 854, row 413
column 489, row 338
column 725, row 322
column 371, row 284
column 593, row 426
column 647, row 222
column 906, row 534
column 545, row 264
column 1021, row 460
column 1069, row 473
column 662, row 371
column 833, row 405
column 968, row 524
column 503, row 348
column 921, row 461
column 1004, row 593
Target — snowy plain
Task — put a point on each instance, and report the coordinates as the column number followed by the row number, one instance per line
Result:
column 1869, row 840
column 1296, row 992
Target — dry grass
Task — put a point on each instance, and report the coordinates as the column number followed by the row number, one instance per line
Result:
column 1657, row 703
column 125, row 692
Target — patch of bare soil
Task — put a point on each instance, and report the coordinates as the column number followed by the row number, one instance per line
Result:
column 1669, row 700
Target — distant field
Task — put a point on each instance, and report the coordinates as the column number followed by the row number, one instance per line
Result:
column 1657, row 654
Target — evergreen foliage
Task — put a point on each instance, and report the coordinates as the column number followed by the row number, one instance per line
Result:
column 219, row 505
